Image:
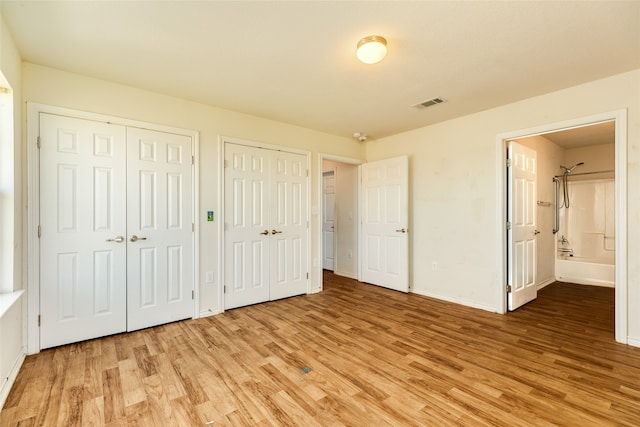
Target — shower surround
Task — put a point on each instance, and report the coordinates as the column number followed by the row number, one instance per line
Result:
column 586, row 236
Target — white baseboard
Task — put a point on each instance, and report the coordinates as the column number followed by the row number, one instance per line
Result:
column 6, row 386
column 635, row 342
column 588, row 282
column 343, row 274
column 461, row 301
column 545, row 283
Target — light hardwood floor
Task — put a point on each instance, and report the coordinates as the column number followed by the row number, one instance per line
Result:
column 375, row 357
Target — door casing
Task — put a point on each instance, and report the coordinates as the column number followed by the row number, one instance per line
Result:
column 33, row 199
column 620, row 119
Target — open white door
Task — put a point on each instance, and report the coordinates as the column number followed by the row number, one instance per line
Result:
column 521, row 235
column 385, row 240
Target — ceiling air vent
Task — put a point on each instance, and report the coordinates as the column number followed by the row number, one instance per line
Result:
column 430, row 102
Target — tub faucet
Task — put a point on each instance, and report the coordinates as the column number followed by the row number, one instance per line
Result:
column 566, row 250
column 564, row 241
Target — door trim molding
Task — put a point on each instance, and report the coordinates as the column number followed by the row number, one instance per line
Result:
column 33, row 200
column 620, row 119
column 222, row 142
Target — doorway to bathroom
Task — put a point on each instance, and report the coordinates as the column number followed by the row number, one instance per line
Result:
column 579, row 216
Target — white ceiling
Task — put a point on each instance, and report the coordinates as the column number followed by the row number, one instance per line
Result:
column 598, row 134
column 294, row 61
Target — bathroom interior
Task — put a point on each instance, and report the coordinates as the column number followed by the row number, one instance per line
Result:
column 576, row 205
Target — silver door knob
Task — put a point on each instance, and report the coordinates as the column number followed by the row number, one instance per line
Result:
column 118, row 239
column 135, row 238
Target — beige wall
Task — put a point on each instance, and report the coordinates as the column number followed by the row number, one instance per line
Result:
column 53, row 87
column 596, row 158
column 454, row 189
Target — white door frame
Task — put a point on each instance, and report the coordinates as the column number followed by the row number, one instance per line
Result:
column 317, row 210
column 620, row 119
column 222, row 141
column 33, row 200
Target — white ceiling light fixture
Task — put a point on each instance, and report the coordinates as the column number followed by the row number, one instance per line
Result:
column 371, row 49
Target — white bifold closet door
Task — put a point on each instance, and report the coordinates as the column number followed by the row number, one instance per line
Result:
column 116, row 249
column 266, row 225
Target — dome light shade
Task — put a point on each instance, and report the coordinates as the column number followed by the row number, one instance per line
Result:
column 371, row 49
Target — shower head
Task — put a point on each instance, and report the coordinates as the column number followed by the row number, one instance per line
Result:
column 569, row 170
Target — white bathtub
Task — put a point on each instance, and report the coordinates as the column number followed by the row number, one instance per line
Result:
column 586, row 271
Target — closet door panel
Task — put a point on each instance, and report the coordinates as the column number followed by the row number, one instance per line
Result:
column 289, row 228
column 82, row 214
column 160, row 231
column 246, row 238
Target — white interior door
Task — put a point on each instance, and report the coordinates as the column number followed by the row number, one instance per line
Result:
column 266, row 228
column 159, row 228
column 83, row 222
column 385, row 248
column 247, row 225
column 521, row 214
column 289, row 226
column 328, row 219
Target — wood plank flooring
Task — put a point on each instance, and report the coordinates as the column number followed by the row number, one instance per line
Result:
column 354, row 355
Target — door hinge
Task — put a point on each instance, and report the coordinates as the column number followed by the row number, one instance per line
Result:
column 193, row 160
column 508, row 288
column 38, row 142
column 508, row 163
column 193, row 226
column 38, row 320
column 508, row 225
column 225, row 288
column 307, row 276
column 225, row 164
column 39, row 232
column 193, row 294
column 307, row 173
